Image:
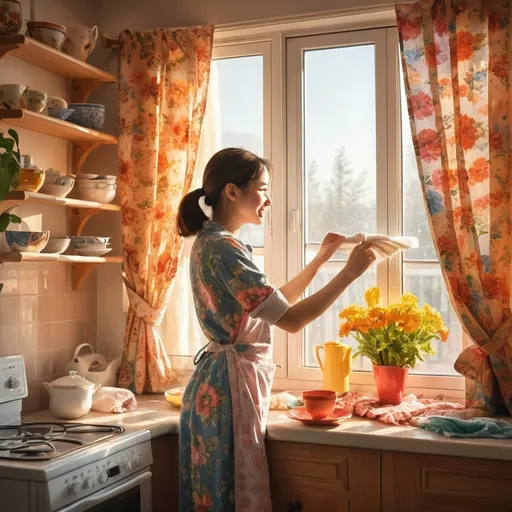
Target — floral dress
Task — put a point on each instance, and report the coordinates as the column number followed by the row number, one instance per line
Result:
column 223, row 465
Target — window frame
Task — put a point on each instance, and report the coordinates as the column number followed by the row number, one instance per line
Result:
column 282, row 252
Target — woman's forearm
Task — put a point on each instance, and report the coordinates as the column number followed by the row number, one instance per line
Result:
column 294, row 288
column 309, row 309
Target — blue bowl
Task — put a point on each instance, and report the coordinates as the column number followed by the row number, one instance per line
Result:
column 60, row 113
column 27, row 241
column 88, row 115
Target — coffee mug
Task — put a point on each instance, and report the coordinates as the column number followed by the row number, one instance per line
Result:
column 56, row 102
column 36, row 100
column 80, row 41
column 13, row 96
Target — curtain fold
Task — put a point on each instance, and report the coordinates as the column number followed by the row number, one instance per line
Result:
column 163, row 83
column 456, row 64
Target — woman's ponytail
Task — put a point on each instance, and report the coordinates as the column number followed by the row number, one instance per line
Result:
column 190, row 214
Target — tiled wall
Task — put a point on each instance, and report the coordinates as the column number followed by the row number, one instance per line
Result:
column 42, row 319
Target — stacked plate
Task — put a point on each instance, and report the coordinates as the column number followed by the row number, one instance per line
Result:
column 90, row 245
column 96, row 187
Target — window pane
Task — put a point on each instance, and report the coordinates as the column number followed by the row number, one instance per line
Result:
column 339, row 168
column 339, row 141
column 240, row 114
column 426, row 282
column 414, row 213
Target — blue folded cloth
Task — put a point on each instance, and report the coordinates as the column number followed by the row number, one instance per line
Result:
column 449, row 426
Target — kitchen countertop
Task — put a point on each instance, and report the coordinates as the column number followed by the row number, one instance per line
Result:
column 156, row 415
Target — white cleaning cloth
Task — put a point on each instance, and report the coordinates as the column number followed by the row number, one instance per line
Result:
column 384, row 246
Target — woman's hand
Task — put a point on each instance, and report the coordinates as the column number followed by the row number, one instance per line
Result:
column 330, row 244
column 360, row 259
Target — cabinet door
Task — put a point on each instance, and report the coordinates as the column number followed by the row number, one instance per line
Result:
column 317, row 477
column 165, row 469
column 430, row 483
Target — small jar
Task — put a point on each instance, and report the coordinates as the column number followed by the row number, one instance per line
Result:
column 31, row 176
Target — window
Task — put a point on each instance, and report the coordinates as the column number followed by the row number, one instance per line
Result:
column 330, row 112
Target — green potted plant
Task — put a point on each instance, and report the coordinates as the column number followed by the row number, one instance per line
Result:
column 393, row 338
column 10, row 160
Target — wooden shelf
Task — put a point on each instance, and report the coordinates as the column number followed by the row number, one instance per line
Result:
column 34, row 197
column 45, row 57
column 20, row 257
column 54, row 127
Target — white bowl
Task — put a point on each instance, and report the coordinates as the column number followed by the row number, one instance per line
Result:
column 95, row 177
column 96, row 194
column 88, row 251
column 57, row 245
column 103, row 185
column 57, row 190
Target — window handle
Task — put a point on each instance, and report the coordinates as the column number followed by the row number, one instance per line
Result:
column 295, row 221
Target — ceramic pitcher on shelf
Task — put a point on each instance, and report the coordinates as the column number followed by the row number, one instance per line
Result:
column 336, row 365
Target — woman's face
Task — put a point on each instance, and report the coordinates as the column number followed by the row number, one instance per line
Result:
column 254, row 200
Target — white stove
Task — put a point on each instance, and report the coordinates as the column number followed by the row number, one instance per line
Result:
column 67, row 467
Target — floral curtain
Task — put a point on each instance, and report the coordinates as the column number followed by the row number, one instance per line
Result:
column 456, row 63
column 163, row 82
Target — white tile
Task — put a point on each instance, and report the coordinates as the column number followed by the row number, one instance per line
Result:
column 62, row 282
column 8, row 311
column 44, row 364
column 44, row 337
column 9, row 279
column 45, row 308
column 28, row 309
column 9, row 340
column 46, row 278
column 27, row 278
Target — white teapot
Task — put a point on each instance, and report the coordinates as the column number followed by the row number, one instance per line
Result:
column 70, row 396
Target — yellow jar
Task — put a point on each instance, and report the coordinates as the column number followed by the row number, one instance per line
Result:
column 31, row 177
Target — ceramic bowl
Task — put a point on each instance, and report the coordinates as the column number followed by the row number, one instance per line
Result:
column 100, row 195
column 27, row 241
column 57, row 245
column 319, row 403
column 88, row 115
column 47, row 33
column 61, row 113
column 10, row 17
column 95, row 177
column 90, row 251
column 79, row 241
column 13, row 96
column 57, row 189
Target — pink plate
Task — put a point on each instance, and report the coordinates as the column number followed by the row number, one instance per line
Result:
column 301, row 414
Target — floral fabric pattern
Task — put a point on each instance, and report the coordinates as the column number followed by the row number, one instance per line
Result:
column 163, row 80
column 456, row 64
column 225, row 405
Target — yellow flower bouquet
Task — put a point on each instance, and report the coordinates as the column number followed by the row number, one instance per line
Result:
column 395, row 337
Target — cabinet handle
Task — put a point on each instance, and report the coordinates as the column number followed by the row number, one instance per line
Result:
column 296, row 506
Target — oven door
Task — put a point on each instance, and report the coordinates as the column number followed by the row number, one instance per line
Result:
column 130, row 495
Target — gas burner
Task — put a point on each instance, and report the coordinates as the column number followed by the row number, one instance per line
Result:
column 43, row 441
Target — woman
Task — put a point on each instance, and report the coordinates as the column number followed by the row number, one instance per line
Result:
column 222, row 428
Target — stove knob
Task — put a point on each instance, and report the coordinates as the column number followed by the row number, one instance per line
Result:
column 74, row 488
column 13, row 383
column 130, row 465
column 89, row 483
column 102, row 477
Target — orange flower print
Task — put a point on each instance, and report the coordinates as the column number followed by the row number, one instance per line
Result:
column 479, row 171
column 482, row 203
column 494, row 21
column 467, row 218
column 463, row 90
column 468, row 131
column 129, row 215
column 457, row 214
column 440, row 24
column 163, row 261
column 422, row 106
column 445, row 87
column 497, row 199
column 460, row 290
column 496, row 287
column 410, row 29
column 251, row 298
column 484, row 109
column 461, row 242
column 464, row 45
column 496, row 141
column 178, row 92
column 180, row 133
column 499, row 66
column 430, row 148
column 150, row 89
column 453, row 178
column 473, row 261
column 445, row 243
column 175, row 54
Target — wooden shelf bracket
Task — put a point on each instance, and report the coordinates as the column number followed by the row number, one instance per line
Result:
column 79, row 218
column 79, row 273
column 81, row 151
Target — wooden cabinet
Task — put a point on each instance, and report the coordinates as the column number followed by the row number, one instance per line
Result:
column 430, row 483
column 165, row 470
column 310, row 478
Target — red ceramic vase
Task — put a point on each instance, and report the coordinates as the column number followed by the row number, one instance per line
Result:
column 390, row 382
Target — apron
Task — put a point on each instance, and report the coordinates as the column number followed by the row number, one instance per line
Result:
column 251, row 372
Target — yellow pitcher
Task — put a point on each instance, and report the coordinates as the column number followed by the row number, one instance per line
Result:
column 336, row 367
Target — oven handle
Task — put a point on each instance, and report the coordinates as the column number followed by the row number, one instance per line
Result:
column 100, row 497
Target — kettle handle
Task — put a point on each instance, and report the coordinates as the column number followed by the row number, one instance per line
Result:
column 318, row 358
column 80, row 347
